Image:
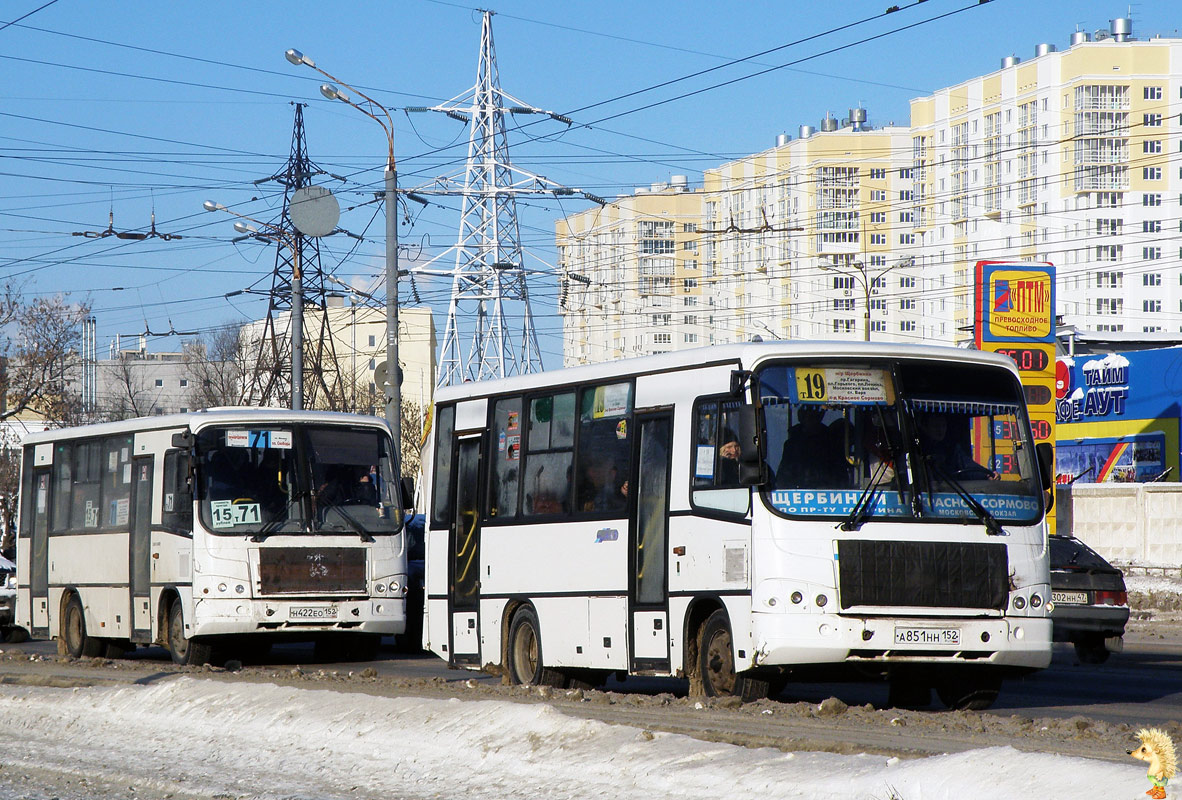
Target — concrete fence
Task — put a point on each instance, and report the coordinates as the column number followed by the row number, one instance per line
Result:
column 1131, row 524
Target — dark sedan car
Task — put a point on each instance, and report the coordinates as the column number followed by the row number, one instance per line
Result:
column 412, row 640
column 1091, row 605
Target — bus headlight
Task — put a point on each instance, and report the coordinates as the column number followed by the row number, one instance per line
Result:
column 222, row 588
column 395, row 587
column 797, row 598
column 1019, row 602
column 380, row 588
column 822, row 601
column 239, row 589
column 1035, row 601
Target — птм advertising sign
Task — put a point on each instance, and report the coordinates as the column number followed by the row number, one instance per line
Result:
column 1014, row 306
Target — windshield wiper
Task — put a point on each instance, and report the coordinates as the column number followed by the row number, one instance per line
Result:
column 992, row 526
column 861, row 510
column 354, row 524
column 267, row 529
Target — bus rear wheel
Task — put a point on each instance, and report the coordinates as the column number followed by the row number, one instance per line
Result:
column 716, row 663
column 184, row 650
column 78, row 643
column 524, row 655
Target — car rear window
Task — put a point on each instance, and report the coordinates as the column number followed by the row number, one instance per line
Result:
column 1068, row 553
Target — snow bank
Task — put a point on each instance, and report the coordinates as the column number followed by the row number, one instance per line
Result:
column 276, row 742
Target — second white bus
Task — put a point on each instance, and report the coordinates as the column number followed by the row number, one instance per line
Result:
column 736, row 514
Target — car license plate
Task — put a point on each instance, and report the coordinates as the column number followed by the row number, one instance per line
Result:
column 927, row 636
column 1077, row 598
column 313, row 612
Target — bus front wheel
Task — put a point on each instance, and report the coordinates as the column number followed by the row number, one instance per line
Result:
column 78, row 643
column 716, row 663
column 524, row 656
column 975, row 692
column 183, row 650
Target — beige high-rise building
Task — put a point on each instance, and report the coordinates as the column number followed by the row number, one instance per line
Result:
column 1071, row 157
column 632, row 279
column 812, row 238
column 1067, row 158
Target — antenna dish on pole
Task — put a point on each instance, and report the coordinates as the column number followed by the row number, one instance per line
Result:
column 314, row 211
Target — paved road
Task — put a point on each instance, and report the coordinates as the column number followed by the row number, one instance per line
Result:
column 1140, row 686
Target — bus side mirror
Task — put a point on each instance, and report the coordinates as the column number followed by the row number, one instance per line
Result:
column 1046, row 464
column 752, row 468
column 183, row 440
column 407, row 488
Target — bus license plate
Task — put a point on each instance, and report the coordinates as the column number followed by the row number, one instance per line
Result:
column 927, row 636
column 314, row 612
column 1077, row 598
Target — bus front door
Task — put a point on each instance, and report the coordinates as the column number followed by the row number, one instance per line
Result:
column 648, row 544
column 39, row 551
column 140, row 566
column 464, row 556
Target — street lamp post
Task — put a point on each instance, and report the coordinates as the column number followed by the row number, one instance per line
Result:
column 287, row 239
column 860, row 272
column 393, row 389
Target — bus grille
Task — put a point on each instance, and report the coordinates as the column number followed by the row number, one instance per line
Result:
column 923, row 574
column 312, row 570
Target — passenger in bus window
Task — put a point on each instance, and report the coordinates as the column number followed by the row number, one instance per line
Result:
column 728, row 460
column 812, row 454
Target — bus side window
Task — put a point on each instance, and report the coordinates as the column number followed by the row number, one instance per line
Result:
column 63, row 479
column 441, row 483
column 85, row 494
column 505, row 475
column 548, row 464
column 605, row 418
column 715, row 457
column 177, row 506
column 116, row 482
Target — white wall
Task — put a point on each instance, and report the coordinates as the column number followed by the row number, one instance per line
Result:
column 1130, row 523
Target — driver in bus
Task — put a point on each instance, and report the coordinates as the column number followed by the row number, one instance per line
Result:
column 950, row 457
column 812, row 454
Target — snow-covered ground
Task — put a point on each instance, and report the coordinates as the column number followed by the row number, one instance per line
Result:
column 203, row 738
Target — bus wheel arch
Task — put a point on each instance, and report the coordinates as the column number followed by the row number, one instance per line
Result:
column 696, row 615
column 73, row 639
column 524, row 662
column 716, row 674
column 182, row 649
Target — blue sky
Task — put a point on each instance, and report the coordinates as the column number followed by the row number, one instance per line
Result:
column 138, row 105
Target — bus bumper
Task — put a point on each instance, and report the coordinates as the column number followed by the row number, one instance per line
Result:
column 786, row 639
column 216, row 616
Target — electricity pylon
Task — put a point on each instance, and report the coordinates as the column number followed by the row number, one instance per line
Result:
column 490, row 293
column 270, row 380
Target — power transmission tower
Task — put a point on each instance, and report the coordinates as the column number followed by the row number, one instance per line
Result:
column 270, row 381
column 489, row 290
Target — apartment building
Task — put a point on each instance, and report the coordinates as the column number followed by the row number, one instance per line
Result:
column 632, row 277
column 813, row 238
column 1070, row 157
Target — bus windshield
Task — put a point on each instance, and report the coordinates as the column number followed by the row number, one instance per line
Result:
column 296, row 479
column 909, row 439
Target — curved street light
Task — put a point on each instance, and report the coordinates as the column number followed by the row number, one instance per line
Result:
column 370, row 108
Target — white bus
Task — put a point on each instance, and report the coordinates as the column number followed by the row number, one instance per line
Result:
column 735, row 514
column 231, row 526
